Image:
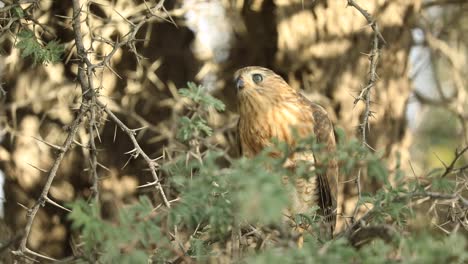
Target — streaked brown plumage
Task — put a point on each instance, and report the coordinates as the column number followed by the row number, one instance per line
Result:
column 269, row 108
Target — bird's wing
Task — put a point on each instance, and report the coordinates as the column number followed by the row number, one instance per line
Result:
column 327, row 176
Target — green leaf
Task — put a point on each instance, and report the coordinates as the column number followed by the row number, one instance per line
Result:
column 442, row 184
column 126, row 241
column 193, row 128
column 18, row 12
column 201, row 97
column 340, row 135
column 30, row 47
column 377, row 169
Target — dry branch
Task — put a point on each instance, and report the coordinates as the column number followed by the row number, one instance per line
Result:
column 86, row 81
column 364, row 95
column 22, row 250
column 92, row 127
column 91, row 107
column 152, row 165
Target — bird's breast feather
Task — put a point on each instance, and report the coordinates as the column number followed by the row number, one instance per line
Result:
column 284, row 122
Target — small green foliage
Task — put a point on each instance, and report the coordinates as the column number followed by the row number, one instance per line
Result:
column 338, row 251
column 205, row 198
column 259, row 194
column 198, row 95
column 195, row 126
column 376, row 253
column 18, row 12
column 131, row 240
column 340, row 135
column 199, row 250
column 442, row 184
column 377, row 169
column 30, row 46
column 411, row 249
column 86, row 216
column 399, row 173
column 353, row 156
column 430, row 249
column 216, row 197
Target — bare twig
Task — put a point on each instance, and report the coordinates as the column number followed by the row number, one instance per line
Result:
column 22, row 250
column 86, row 81
column 93, row 163
column 364, row 95
column 81, row 52
column 358, row 185
column 152, row 165
column 451, row 166
column 49, row 144
column 369, row 19
column 463, row 202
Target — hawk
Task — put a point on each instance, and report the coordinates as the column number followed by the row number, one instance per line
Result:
column 269, row 108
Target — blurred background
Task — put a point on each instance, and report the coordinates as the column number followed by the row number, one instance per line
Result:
column 320, row 47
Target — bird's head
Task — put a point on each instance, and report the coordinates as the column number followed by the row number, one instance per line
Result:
column 260, row 89
column 260, row 82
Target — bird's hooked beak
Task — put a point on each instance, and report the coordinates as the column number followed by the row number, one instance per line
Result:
column 239, row 83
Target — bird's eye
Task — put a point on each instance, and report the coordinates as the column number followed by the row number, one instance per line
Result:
column 257, row 78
